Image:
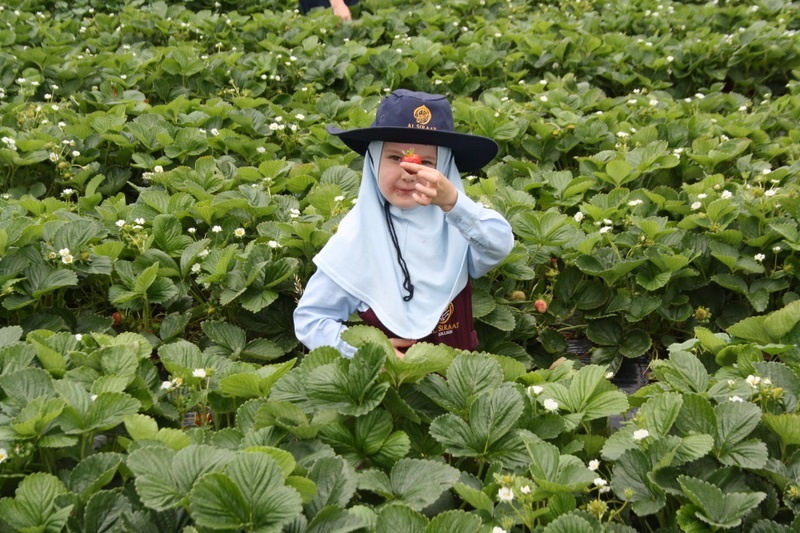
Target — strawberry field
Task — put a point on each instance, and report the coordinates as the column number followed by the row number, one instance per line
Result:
column 166, row 178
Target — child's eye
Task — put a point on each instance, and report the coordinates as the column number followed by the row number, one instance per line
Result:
column 429, row 163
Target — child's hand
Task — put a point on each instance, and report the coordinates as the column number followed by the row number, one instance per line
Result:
column 433, row 187
column 341, row 10
column 400, row 346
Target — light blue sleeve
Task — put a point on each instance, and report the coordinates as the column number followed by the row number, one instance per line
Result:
column 489, row 234
column 321, row 313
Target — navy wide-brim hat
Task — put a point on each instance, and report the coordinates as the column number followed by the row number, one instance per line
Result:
column 420, row 118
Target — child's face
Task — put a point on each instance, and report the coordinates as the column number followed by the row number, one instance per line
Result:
column 396, row 183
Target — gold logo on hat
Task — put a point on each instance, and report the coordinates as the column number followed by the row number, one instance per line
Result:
column 422, row 115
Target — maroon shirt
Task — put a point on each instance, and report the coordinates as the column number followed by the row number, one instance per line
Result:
column 455, row 327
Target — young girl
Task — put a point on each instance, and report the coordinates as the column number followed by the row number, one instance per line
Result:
column 403, row 256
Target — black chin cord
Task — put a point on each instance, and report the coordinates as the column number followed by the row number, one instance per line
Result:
column 402, row 262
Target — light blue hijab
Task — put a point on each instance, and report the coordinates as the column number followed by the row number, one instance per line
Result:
column 361, row 258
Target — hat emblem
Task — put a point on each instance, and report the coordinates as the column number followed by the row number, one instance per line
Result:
column 422, row 115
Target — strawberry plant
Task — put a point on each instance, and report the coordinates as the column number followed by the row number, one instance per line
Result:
column 166, row 179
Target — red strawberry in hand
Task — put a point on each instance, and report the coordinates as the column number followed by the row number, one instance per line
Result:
column 410, row 157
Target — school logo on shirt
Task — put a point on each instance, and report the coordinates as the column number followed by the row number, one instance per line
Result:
column 447, row 313
column 445, row 328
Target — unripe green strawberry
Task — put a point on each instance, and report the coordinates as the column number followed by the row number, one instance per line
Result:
column 516, row 296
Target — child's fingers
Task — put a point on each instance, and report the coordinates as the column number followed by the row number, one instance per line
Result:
column 427, row 190
column 400, row 346
column 402, row 343
column 424, row 195
column 421, row 199
column 428, row 176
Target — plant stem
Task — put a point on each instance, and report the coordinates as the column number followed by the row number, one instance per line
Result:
column 481, row 466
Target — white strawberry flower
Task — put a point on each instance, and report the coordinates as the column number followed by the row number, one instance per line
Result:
column 505, row 494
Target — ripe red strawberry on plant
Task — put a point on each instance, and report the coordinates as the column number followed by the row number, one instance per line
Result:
column 410, row 157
